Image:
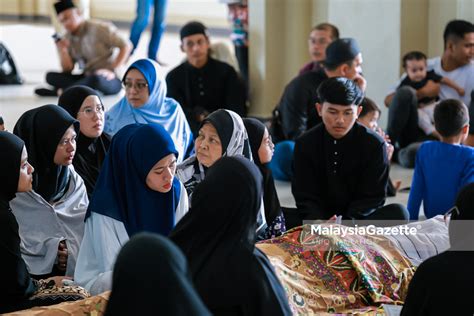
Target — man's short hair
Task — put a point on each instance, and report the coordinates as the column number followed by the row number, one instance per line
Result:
column 192, row 28
column 450, row 116
column 368, row 106
column 341, row 51
column 1, row 121
column 340, row 91
column 63, row 5
column 328, row 27
column 456, row 29
column 414, row 55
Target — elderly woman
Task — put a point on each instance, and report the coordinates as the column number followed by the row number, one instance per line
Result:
column 136, row 191
column 84, row 104
column 51, row 217
column 145, row 102
column 222, row 134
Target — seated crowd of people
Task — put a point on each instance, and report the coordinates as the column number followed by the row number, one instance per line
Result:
column 164, row 199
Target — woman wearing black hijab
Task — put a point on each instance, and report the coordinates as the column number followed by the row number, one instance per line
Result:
column 167, row 287
column 84, row 104
column 51, row 217
column 262, row 151
column 17, row 286
column 218, row 238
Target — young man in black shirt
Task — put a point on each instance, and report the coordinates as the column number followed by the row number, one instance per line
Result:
column 340, row 166
column 202, row 84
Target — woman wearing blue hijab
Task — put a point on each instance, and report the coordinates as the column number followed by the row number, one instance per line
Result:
column 145, row 102
column 136, row 191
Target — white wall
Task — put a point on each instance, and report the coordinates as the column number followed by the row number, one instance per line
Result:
column 376, row 26
column 211, row 12
column 179, row 12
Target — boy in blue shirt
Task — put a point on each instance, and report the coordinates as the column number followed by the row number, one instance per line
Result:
column 442, row 168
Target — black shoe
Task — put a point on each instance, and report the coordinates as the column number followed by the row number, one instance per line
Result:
column 43, row 92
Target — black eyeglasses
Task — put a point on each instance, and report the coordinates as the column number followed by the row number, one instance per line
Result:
column 137, row 85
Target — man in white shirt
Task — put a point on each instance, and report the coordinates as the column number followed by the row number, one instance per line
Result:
column 457, row 64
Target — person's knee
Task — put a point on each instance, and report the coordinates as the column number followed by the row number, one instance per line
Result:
column 407, row 156
column 94, row 81
column 107, row 87
column 396, row 212
column 281, row 164
column 405, row 95
column 400, row 212
column 52, row 78
column 406, row 91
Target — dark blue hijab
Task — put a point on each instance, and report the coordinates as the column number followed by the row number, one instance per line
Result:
column 121, row 191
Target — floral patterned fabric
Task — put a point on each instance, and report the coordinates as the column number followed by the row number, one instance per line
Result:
column 330, row 274
column 92, row 306
column 276, row 228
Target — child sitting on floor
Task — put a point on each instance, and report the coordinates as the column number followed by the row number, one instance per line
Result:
column 417, row 77
column 442, row 168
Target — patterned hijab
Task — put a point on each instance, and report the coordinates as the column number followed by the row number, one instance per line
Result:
column 158, row 109
column 234, row 140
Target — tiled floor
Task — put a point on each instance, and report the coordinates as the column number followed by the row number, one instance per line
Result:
column 34, row 53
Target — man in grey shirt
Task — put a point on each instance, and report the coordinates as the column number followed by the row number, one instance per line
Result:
column 90, row 44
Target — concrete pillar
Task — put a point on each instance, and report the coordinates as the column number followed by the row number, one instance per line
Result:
column 278, row 35
column 414, row 27
column 440, row 13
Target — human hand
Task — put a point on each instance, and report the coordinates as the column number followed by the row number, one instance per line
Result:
column 62, row 255
column 62, row 44
column 335, row 219
column 360, row 82
column 431, row 90
column 390, row 149
column 58, row 280
column 382, row 134
column 106, row 73
column 460, row 91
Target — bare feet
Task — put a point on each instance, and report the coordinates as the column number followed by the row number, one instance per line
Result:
column 397, row 184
